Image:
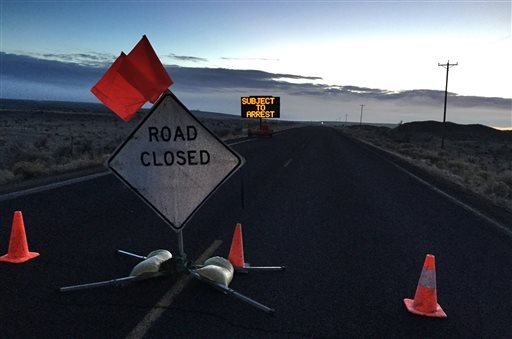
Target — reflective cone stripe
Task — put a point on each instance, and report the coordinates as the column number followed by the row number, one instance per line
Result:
column 425, row 299
column 18, row 247
column 236, row 252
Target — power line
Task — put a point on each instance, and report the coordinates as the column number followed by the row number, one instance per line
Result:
column 447, row 66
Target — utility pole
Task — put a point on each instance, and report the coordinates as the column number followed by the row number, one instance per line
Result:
column 447, row 66
column 346, row 118
column 361, row 119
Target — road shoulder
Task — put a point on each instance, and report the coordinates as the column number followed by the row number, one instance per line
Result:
column 487, row 208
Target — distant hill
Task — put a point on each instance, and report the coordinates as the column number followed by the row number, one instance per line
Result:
column 453, row 131
column 214, row 115
column 34, row 106
column 40, row 106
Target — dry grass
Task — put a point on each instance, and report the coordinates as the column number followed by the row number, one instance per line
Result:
column 483, row 166
column 39, row 139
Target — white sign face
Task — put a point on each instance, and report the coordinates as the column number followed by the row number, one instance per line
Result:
column 173, row 162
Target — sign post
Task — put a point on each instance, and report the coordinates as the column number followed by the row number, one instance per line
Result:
column 173, row 163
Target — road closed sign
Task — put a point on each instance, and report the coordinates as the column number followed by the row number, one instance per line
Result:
column 173, row 162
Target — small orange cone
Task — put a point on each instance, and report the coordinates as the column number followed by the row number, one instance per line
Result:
column 425, row 299
column 18, row 246
column 236, row 252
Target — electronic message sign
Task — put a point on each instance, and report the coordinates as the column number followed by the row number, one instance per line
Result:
column 260, row 107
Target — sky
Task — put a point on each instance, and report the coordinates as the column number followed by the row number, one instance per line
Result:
column 324, row 58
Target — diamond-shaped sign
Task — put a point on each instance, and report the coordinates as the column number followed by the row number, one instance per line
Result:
column 173, row 162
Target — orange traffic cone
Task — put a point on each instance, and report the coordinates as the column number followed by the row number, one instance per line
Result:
column 425, row 299
column 236, row 252
column 18, row 246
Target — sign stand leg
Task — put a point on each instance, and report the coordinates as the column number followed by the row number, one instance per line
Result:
column 182, row 263
column 228, row 291
column 180, row 244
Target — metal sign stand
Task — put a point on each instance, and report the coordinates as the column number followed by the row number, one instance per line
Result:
column 231, row 292
column 187, row 268
column 247, row 268
column 180, row 244
column 182, row 261
column 121, row 164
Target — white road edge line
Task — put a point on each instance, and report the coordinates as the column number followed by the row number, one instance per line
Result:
column 476, row 212
column 240, row 142
column 51, row 186
column 156, row 312
column 48, row 187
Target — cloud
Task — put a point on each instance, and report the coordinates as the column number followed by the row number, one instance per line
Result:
column 195, row 77
column 187, row 58
column 219, row 89
column 84, row 59
column 250, row 59
column 52, row 72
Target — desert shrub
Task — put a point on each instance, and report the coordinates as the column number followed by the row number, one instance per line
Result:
column 17, row 152
column 506, row 177
column 62, row 154
column 222, row 132
column 484, row 175
column 28, row 170
column 405, row 146
column 401, row 138
column 107, row 149
column 75, row 164
column 432, row 156
column 424, row 138
column 41, row 143
column 84, row 146
column 500, row 189
column 6, row 176
column 441, row 164
column 457, row 167
column 502, row 151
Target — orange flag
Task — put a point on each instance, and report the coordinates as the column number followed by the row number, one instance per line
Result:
column 144, row 71
column 132, row 80
column 117, row 93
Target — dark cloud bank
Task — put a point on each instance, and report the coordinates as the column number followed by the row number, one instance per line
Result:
column 217, row 89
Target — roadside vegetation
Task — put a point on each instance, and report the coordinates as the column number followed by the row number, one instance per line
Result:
column 40, row 139
column 476, row 157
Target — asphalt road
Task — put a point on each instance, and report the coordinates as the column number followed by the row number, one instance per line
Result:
column 352, row 229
